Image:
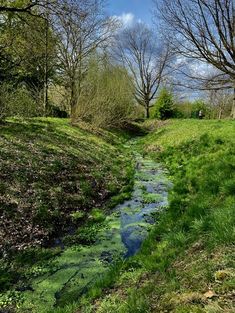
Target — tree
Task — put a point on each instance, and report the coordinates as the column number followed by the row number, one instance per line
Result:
column 146, row 61
column 18, row 6
column 23, row 51
column 220, row 101
column 35, row 14
column 23, row 55
column 164, row 107
column 31, row 7
column 202, row 30
column 107, row 98
column 81, row 28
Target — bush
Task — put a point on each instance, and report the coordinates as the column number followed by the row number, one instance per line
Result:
column 4, row 99
column 200, row 105
column 164, row 107
column 107, row 97
column 18, row 102
column 189, row 109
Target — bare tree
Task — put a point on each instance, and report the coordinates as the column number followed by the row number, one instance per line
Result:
column 147, row 62
column 81, row 28
column 202, row 30
column 220, row 101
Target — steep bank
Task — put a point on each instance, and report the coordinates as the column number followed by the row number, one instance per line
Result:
column 85, row 252
column 51, row 170
column 53, row 178
column 79, row 268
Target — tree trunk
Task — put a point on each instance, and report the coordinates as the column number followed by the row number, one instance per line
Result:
column 73, row 102
column 147, row 108
column 233, row 105
column 147, row 112
column 45, row 100
column 220, row 113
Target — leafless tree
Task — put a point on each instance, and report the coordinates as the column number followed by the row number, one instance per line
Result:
column 202, row 30
column 136, row 47
column 220, row 101
column 81, row 28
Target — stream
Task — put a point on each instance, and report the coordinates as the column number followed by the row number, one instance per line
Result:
column 77, row 268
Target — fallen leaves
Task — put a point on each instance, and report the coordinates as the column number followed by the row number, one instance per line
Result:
column 209, row 294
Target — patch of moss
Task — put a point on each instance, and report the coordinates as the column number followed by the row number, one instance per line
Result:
column 152, row 198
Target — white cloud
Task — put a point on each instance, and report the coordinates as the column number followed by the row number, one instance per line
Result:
column 194, row 67
column 200, row 69
column 127, row 19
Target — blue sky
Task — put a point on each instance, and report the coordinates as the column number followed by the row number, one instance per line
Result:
column 131, row 9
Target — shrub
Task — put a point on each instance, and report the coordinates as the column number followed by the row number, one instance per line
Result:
column 107, row 98
column 4, row 99
column 190, row 109
column 18, row 102
column 164, row 107
column 200, row 105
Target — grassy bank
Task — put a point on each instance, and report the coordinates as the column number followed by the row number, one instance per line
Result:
column 54, row 178
column 187, row 263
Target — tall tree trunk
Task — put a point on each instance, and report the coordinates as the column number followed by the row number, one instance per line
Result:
column 233, row 105
column 45, row 100
column 147, row 111
column 220, row 113
column 73, row 102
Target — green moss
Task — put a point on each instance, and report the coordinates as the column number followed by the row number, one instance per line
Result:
column 97, row 215
column 152, row 198
column 77, row 215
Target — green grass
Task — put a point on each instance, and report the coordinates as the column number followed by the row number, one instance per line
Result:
column 54, row 176
column 191, row 250
column 174, row 133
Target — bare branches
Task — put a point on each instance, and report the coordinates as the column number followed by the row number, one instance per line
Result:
column 137, row 50
column 81, row 28
column 202, row 29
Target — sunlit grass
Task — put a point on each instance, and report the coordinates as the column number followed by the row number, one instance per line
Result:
column 195, row 237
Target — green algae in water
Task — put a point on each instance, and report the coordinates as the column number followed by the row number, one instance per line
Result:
column 152, row 198
column 79, row 267
column 76, row 268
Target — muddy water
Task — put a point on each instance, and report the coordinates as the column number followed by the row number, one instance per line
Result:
column 74, row 271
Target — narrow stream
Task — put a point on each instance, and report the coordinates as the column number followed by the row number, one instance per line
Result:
column 74, row 271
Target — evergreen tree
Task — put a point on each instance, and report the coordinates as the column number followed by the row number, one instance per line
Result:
column 164, row 106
